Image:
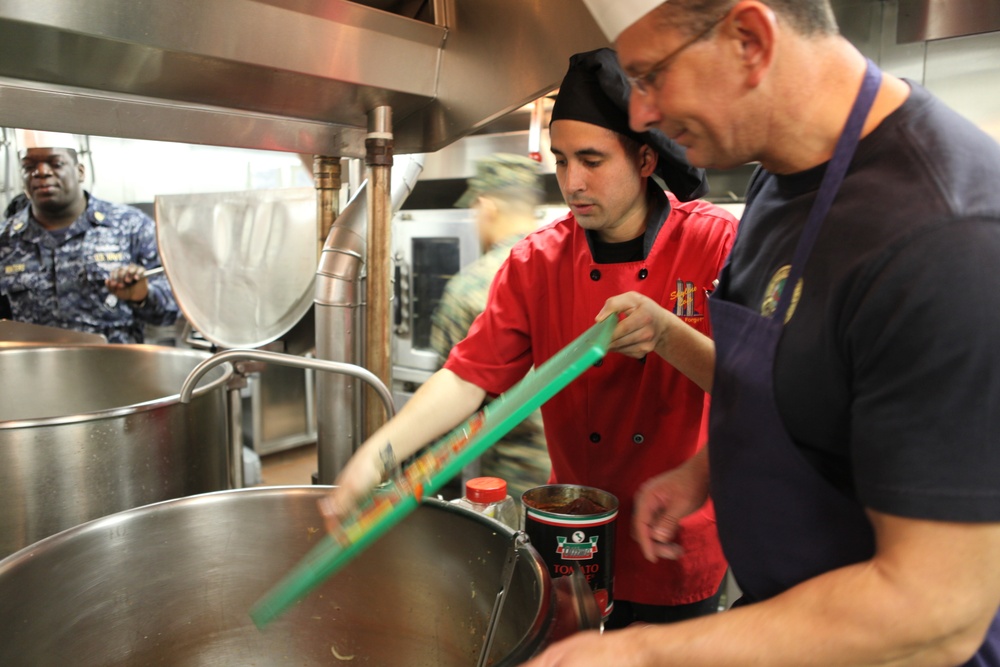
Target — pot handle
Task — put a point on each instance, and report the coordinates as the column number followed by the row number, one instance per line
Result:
column 510, row 563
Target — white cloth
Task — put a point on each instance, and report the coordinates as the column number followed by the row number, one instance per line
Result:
column 613, row 16
column 39, row 139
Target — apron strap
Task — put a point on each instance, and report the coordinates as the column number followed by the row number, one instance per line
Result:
column 836, row 170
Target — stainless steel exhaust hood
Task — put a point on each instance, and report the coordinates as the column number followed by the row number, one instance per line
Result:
column 287, row 75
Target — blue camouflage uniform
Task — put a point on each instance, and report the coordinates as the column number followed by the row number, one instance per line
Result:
column 57, row 278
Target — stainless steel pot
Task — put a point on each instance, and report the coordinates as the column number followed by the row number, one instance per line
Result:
column 89, row 430
column 172, row 583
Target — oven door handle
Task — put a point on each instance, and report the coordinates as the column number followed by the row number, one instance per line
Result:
column 403, row 298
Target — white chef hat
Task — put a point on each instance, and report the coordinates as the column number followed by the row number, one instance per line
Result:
column 613, row 16
column 40, row 139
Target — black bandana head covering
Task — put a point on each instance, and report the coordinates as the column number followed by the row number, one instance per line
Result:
column 596, row 91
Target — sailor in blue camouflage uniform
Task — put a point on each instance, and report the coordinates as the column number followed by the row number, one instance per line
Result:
column 73, row 261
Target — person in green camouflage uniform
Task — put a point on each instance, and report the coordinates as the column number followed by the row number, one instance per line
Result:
column 505, row 193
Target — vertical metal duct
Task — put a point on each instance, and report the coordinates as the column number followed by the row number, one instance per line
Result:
column 338, row 300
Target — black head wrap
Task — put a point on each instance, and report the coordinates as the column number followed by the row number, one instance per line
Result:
column 596, row 91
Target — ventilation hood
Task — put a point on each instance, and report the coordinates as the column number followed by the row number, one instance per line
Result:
column 286, row 75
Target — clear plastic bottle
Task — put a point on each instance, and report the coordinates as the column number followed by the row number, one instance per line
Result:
column 488, row 496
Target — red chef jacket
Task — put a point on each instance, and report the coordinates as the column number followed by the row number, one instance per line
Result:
column 624, row 420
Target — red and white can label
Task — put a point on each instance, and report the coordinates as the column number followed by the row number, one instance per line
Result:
column 574, row 526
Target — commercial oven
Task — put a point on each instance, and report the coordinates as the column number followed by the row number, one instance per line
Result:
column 429, row 247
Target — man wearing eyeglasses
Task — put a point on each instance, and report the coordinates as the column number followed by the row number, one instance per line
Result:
column 632, row 416
column 853, row 369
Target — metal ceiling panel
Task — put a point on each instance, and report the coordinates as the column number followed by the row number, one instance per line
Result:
column 292, row 75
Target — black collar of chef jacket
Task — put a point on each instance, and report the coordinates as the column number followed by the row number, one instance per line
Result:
column 659, row 209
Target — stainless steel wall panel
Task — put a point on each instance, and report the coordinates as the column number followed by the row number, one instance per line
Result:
column 905, row 60
column 965, row 73
column 860, row 21
column 921, row 20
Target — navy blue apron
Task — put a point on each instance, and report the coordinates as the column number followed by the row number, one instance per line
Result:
column 779, row 520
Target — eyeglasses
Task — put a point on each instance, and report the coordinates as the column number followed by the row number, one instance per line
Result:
column 646, row 82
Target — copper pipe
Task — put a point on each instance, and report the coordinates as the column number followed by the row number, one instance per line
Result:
column 326, row 180
column 378, row 299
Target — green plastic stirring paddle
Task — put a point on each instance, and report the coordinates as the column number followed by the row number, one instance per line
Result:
column 432, row 470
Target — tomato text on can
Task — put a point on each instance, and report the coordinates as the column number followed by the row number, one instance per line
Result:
column 574, row 526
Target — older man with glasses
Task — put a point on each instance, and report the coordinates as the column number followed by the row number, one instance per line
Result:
column 854, row 443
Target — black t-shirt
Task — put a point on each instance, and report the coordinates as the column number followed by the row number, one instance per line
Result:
column 888, row 372
column 637, row 249
column 617, row 253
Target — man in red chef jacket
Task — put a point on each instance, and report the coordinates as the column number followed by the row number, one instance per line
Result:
column 632, row 416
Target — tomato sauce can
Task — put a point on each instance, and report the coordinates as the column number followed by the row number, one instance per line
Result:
column 574, row 526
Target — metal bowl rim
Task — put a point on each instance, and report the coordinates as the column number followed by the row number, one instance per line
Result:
column 125, row 410
column 528, row 644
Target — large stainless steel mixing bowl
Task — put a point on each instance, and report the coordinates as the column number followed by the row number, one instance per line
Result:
column 89, row 430
column 172, row 584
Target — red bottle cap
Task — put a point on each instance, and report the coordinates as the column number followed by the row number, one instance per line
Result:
column 486, row 490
